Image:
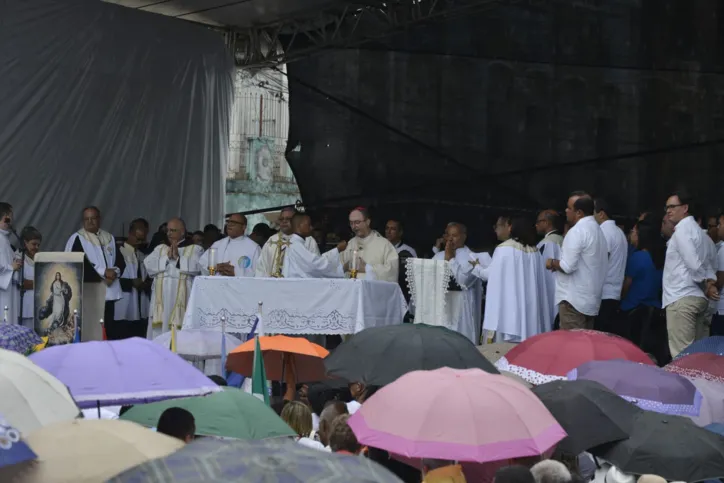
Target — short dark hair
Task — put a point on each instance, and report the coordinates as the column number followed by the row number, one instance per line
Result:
column 599, row 205
column 584, row 204
column 177, row 422
column 211, row 227
column 261, row 229
column 5, row 208
column 138, row 223
column 523, row 231
column 400, row 226
column 31, row 233
column 686, row 197
column 297, row 219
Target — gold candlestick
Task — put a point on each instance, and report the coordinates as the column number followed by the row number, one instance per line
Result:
column 212, row 271
column 353, row 273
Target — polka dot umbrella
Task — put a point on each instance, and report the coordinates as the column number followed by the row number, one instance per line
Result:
column 702, row 365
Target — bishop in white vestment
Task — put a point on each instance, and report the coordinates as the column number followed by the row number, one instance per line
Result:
column 173, row 266
column 299, row 262
column 132, row 308
column 550, row 248
column 236, row 255
column 271, row 259
column 376, row 258
column 516, row 301
column 99, row 247
column 469, row 299
column 9, row 265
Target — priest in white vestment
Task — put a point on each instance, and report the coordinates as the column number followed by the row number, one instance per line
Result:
column 173, row 266
column 32, row 240
column 299, row 262
column 394, row 232
column 271, row 260
column 132, row 308
column 9, row 265
column 99, row 247
column 550, row 248
column 376, row 258
column 516, row 301
column 469, row 293
column 236, row 255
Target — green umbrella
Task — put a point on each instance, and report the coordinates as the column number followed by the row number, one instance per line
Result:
column 231, row 413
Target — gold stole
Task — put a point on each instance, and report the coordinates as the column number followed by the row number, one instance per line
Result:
column 179, row 305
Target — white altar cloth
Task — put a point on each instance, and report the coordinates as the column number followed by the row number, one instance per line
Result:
column 294, row 306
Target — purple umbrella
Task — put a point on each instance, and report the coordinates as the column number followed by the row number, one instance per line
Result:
column 649, row 387
column 130, row 371
column 18, row 338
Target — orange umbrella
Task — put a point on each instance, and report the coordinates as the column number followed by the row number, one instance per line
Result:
column 304, row 357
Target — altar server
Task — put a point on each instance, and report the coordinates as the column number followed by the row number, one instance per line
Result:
column 550, row 248
column 9, row 265
column 236, row 255
column 299, row 262
column 173, row 265
column 376, row 258
column 516, row 302
column 271, row 260
column 132, row 308
column 467, row 285
column 32, row 240
column 99, row 247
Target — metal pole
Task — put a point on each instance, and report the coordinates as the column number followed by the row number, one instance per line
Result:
column 261, row 114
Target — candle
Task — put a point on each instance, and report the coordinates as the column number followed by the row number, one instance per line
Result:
column 5, row 314
column 212, row 257
column 354, row 260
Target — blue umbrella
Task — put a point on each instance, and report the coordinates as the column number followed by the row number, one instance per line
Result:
column 12, row 449
column 711, row 345
column 17, row 338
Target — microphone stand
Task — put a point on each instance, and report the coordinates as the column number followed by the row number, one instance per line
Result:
column 21, row 273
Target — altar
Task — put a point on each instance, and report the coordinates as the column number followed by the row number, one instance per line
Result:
column 294, row 306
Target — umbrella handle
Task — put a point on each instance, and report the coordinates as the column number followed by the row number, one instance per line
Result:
column 289, row 376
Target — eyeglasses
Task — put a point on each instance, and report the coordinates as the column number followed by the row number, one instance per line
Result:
column 232, row 222
column 671, row 207
column 356, row 222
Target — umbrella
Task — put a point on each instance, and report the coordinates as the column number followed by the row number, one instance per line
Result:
column 552, row 355
column 458, row 415
column 29, row 396
column 13, row 450
column 589, row 412
column 717, row 428
column 18, row 338
column 701, row 365
column 649, row 387
column 231, row 413
column 516, row 378
column 198, row 345
column 379, row 355
column 305, row 356
column 710, row 345
column 712, row 405
column 493, row 352
column 238, row 461
column 669, row 446
column 129, row 371
column 89, row 451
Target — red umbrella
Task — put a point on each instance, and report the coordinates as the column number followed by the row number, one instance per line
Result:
column 701, row 365
column 551, row 356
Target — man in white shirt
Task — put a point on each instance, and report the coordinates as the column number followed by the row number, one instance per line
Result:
column 617, row 249
column 236, row 255
column 581, row 271
column 717, row 323
column 689, row 277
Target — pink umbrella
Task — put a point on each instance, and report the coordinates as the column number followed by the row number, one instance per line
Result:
column 712, row 407
column 456, row 414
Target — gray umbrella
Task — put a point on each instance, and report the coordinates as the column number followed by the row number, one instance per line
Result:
column 269, row 461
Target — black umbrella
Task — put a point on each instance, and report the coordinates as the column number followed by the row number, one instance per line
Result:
column 672, row 447
column 590, row 413
column 379, row 355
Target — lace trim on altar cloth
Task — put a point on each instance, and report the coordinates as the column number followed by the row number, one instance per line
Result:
column 533, row 377
column 279, row 321
column 429, row 281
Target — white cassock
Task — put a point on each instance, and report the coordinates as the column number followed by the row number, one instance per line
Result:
column 241, row 252
column 550, row 248
column 470, row 299
column 301, row 263
column 382, row 261
column 100, row 248
column 172, row 282
column 268, row 260
column 516, row 302
column 28, row 318
column 133, row 305
column 9, row 290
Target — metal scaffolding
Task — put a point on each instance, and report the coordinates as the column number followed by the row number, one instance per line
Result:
column 288, row 40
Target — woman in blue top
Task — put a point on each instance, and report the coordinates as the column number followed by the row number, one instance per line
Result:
column 641, row 294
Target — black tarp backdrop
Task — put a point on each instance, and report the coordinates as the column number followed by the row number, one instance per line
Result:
column 612, row 97
column 106, row 105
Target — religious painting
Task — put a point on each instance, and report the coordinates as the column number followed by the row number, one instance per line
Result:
column 263, row 159
column 58, row 300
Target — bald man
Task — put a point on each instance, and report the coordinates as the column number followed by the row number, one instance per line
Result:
column 547, row 225
column 271, row 260
column 236, row 255
column 173, row 265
